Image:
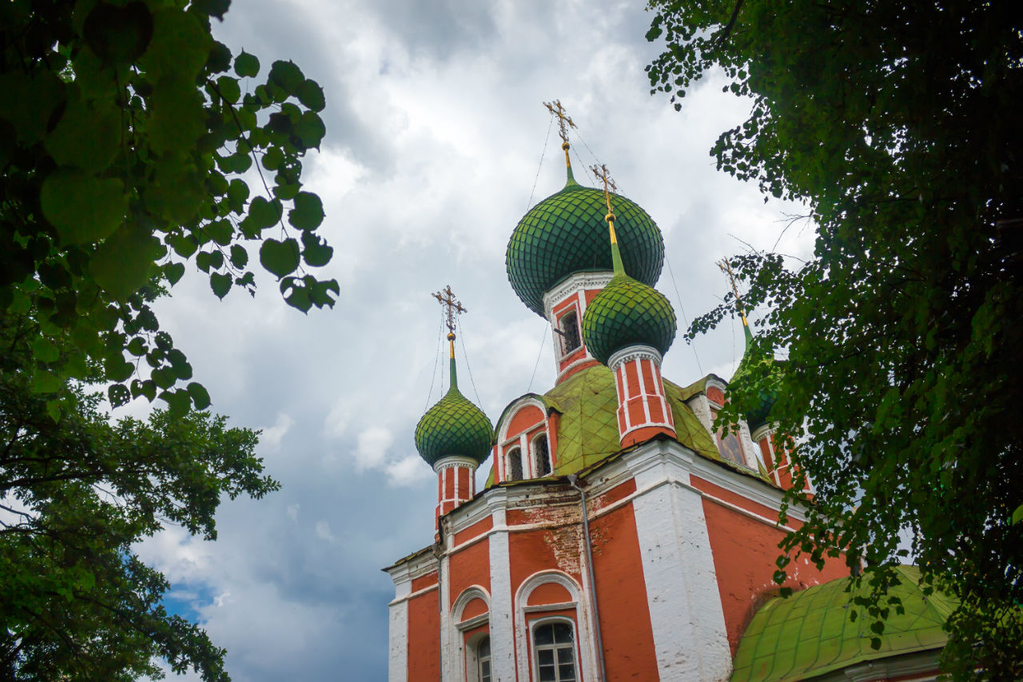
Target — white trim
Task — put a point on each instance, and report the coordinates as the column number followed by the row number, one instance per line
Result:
column 637, row 352
column 583, row 630
column 463, row 599
column 577, row 281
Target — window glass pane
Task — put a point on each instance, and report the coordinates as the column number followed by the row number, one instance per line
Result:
column 565, row 655
column 562, row 633
column 485, row 671
column 543, row 456
column 547, row 673
column 566, row 672
column 484, row 648
column 544, row 635
column 515, row 465
column 569, row 333
column 545, row 656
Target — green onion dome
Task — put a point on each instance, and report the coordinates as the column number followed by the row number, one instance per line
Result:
column 767, row 393
column 566, row 233
column 454, row 426
column 627, row 313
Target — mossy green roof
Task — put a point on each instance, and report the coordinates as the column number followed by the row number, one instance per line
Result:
column 588, row 427
column 566, row 233
column 625, row 313
column 810, row 633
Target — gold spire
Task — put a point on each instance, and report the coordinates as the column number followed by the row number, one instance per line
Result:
column 726, row 268
column 602, row 175
column 564, row 123
column 454, row 309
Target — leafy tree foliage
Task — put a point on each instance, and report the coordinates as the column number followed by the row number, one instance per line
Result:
column 129, row 139
column 897, row 123
column 75, row 495
column 132, row 145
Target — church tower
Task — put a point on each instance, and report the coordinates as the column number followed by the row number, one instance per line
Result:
column 621, row 533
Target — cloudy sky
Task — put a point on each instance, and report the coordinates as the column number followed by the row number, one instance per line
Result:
column 435, row 134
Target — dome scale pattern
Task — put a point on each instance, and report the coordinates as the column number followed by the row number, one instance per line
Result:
column 627, row 313
column 454, row 426
column 566, row 233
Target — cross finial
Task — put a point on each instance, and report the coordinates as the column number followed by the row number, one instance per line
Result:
column 454, row 308
column 604, row 177
column 726, row 268
column 564, row 123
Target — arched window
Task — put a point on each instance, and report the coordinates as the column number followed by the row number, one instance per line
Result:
column 483, row 659
column 554, row 649
column 569, row 324
column 514, row 465
column 541, row 456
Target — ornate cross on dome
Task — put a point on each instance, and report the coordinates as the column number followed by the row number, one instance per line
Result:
column 603, row 176
column 563, row 120
column 726, row 268
column 454, row 308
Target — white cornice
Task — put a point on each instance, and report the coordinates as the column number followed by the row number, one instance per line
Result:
column 637, row 352
column 571, row 285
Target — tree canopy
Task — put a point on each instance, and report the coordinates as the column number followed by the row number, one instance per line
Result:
column 133, row 145
column 897, row 125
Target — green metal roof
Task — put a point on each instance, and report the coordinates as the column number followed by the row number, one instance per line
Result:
column 767, row 374
column 625, row 313
column 566, row 233
column 810, row 633
column 454, row 426
column 588, row 428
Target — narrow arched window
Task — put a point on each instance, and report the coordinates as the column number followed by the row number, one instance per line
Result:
column 569, row 324
column 514, row 465
column 554, row 648
column 483, row 659
column 541, row 456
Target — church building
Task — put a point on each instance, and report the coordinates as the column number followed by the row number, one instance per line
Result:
column 620, row 535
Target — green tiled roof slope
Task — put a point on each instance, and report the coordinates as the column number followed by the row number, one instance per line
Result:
column 566, row 233
column 454, row 426
column 810, row 633
column 625, row 313
column 588, row 428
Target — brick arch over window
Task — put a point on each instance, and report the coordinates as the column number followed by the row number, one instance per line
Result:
column 532, row 603
column 521, row 425
column 470, row 625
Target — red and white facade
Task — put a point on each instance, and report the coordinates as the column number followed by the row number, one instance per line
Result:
column 643, row 410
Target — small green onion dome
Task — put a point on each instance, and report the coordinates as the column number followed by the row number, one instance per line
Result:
column 627, row 313
column 454, row 426
column 767, row 394
column 566, row 233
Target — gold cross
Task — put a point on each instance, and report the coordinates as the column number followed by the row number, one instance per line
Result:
column 563, row 120
column 454, row 308
column 726, row 268
column 603, row 176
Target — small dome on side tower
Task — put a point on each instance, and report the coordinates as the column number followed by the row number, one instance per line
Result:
column 628, row 313
column 454, row 427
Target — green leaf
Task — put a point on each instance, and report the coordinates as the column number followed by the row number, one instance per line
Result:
column 279, row 258
column 122, row 264
column 229, row 89
column 220, row 283
column 237, row 195
column 287, row 76
column 82, row 208
column 137, row 347
column 118, row 34
column 44, row 382
column 263, row 213
column 246, row 65
column 1017, row 516
column 310, row 130
column 88, row 135
column 315, row 251
column 239, row 256
column 174, row 272
column 200, row 396
column 44, row 350
column 308, row 211
column 311, row 95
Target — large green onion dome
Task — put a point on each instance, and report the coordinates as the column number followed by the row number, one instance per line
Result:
column 454, row 426
column 627, row 313
column 566, row 233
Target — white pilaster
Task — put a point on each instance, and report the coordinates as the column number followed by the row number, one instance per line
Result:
column 502, row 630
column 397, row 634
column 690, row 639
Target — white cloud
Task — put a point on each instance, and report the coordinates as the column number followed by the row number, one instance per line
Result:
column 409, row 471
column 372, row 449
column 270, row 438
